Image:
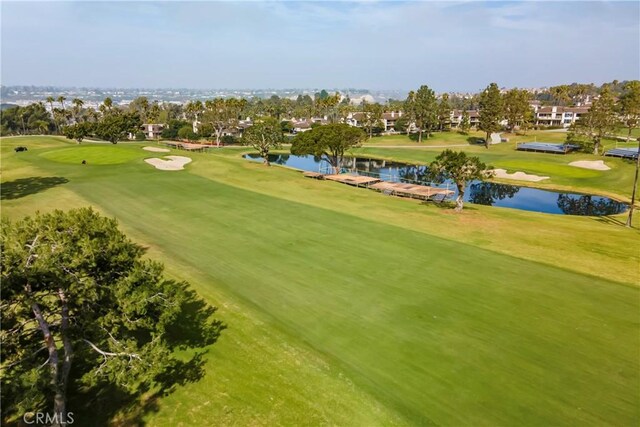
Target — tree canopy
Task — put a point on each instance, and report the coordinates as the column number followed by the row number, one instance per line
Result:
column 329, row 142
column 115, row 127
column 517, row 110
column 491, row 111
column 444, row 113
column 597, row 122
column 371, row 117
column 79, row 131
column 422, row 108
column 630, row 106
column 33, row 118
column 459, row 168
column 81, row 309
column 263, row 136
column 222, row 114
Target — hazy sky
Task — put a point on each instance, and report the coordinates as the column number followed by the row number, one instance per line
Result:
column 376, row 45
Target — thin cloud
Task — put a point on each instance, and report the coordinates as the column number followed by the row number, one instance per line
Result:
column 448, row 45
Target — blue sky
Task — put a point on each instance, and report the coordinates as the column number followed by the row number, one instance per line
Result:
column 451, row 46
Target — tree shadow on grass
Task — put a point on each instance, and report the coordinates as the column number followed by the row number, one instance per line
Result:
column 474, row 140
column 26, row 186
column 105, row 404
column 611, row 220
column 450, row 205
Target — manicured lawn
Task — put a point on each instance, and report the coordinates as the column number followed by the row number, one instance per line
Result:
column 96, row 154
column 623, row 131
column 348, row 307
column 616, row 182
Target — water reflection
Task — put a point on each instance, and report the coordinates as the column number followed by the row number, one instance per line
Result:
column 487, row 193
column 414, row 173
column 571, row 204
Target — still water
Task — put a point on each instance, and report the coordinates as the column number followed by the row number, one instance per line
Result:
column 480, row 192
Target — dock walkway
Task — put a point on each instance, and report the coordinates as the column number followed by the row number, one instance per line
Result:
column 400, row 189
column 413, row 191
column 357, row 180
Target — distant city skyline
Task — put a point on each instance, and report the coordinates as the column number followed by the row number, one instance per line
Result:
column 452, row 46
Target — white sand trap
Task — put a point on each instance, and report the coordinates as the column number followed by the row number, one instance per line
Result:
column 518, row 176
column 590, row 164
column 175, row 163
column 156, row 149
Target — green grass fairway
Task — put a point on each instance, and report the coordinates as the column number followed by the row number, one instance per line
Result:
column 616, row 182
column 348, row 307
column 96, row 154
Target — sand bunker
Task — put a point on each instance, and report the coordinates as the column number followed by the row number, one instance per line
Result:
column 591, row 164
column 519, row 176
column 175, row 163
column 156, row 149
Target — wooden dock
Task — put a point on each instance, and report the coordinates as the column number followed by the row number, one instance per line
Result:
column 413, row 191
column 356, row 180
column 314, row 175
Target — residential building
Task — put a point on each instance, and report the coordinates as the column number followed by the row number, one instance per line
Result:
column 152, row 130
column 456, row 118
column 558, row 116
column 388, row 120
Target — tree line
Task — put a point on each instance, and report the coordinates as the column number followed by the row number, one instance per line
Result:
column 220, row 120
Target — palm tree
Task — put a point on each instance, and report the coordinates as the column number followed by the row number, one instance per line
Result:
column 77, row 107
column 194, row 108
column 93, row 115
column 154, row 113
column 50, row 100
column 61, row 100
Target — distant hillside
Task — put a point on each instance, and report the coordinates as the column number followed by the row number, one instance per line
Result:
column 7, row 106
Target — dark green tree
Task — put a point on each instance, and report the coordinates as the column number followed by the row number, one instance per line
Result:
column 465, row 124
column 422, row 108
column 186, row 132
column 517, row 110
column 600, row 120
column 401, row 124
column 561, row 95
column 459, row 168
column 116, row 127
column 491, row 111
column 81, row 308
column 77, row 109
column 286, row 126
column 371, row 117
column 629, row 106
column 328, row 142
column 79, row 131
column 140, row 105
column 223, row 114
column 630, row 112
column 444, row 113
column 263, row 136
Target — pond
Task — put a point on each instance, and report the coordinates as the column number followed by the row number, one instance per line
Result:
column 480, row 192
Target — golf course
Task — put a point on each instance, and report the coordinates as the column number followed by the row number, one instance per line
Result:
column 344, row 306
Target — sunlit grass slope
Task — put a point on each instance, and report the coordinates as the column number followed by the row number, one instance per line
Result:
column 348, row 307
